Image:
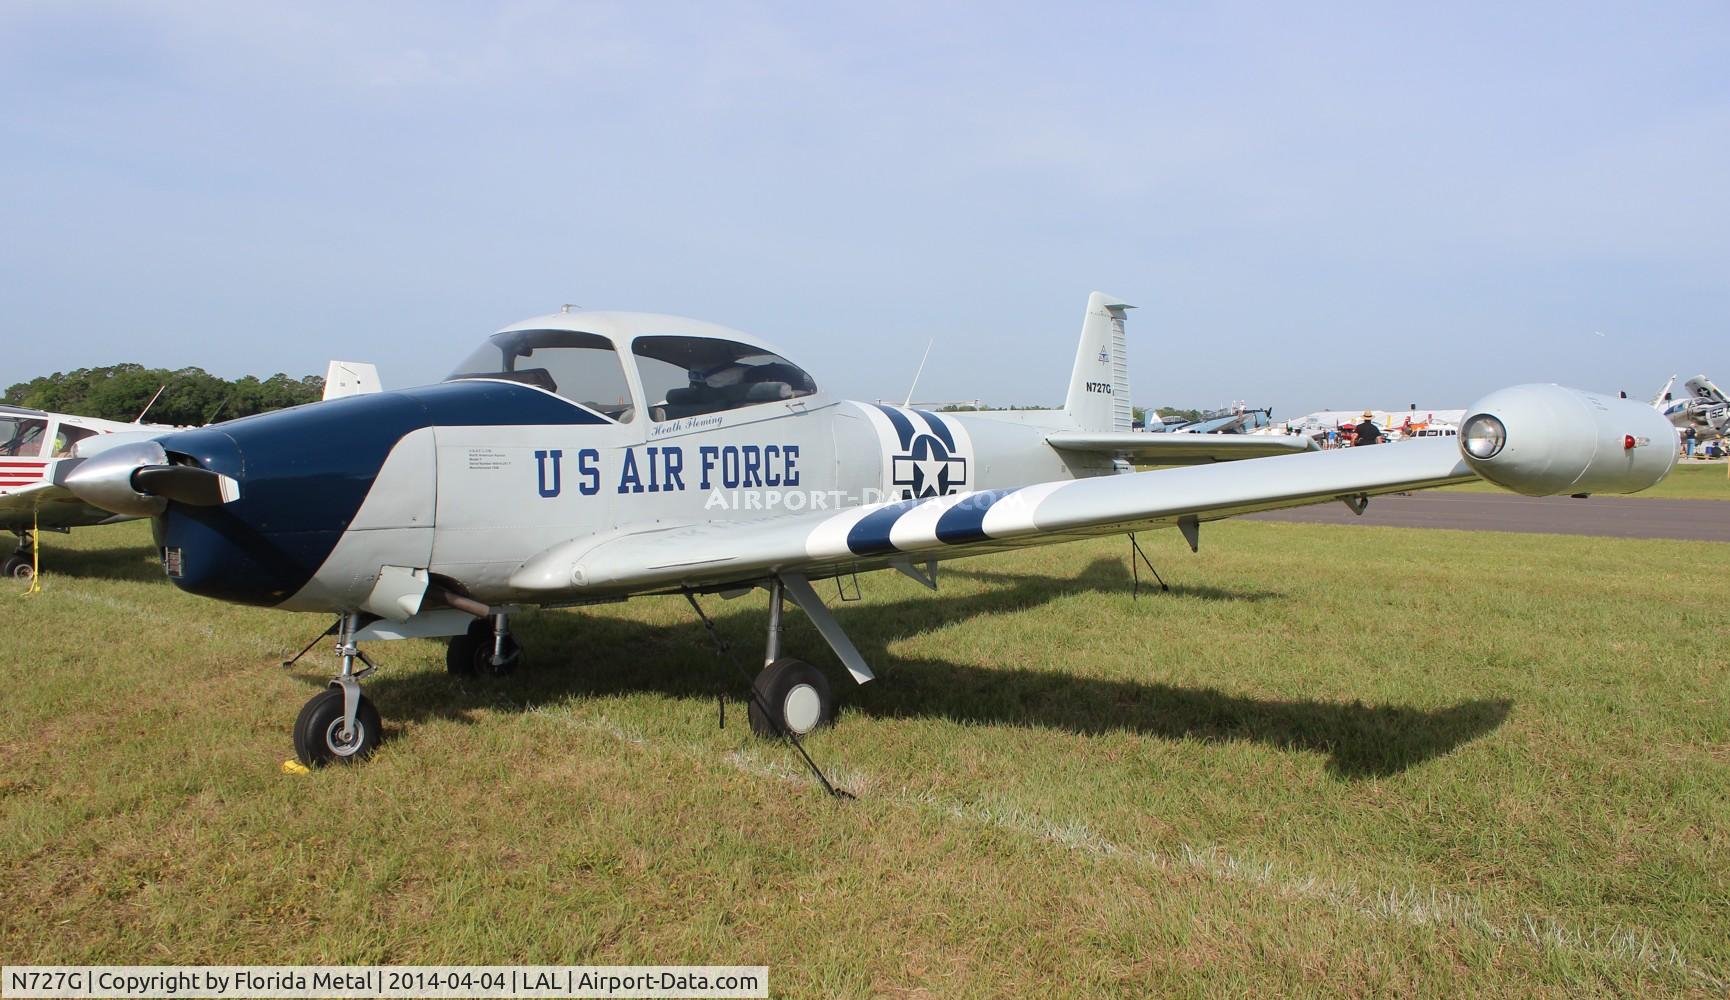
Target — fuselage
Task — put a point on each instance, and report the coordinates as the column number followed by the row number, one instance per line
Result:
column 469, row 478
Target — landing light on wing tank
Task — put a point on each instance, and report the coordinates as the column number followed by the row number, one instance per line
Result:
column 1542, row 440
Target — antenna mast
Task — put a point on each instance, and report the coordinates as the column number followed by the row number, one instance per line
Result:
column 140, row 418
column 921, row 371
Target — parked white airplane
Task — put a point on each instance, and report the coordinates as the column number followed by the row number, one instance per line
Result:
column 33, row 446
column 591, row 456
column 1704, row 407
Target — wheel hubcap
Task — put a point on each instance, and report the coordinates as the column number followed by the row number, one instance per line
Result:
column 802, row 708
column 339, row 746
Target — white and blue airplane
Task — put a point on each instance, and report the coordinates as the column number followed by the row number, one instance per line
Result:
column 1705, row 408
column 584, row 457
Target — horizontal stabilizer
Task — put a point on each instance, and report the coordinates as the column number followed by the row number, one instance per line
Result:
column 1180, row 449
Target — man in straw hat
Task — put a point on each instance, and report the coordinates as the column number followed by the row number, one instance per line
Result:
column 1367, row 432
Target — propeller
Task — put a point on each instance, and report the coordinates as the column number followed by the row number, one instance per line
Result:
column 185, row 484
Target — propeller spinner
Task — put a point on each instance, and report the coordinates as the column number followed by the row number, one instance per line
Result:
column 139, row 480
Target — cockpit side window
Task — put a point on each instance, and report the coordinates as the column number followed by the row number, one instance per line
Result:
column 21, row 437
column 67, row 436
column 581, row 367
column 689, row 376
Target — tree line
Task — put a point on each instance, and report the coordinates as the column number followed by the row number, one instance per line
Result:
column 190, row 396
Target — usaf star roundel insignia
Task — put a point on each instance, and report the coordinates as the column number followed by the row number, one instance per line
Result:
column 927, row 469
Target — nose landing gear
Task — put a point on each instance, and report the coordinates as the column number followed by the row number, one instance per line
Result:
column 339, row 724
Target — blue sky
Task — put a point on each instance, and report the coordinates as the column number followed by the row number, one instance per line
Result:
column 1312, row 205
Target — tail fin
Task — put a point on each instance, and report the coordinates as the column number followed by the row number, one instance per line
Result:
column 1662, row 400
column 1701, row 387
column 1099, row 385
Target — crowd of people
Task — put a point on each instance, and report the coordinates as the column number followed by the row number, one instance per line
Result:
column 1693, row 447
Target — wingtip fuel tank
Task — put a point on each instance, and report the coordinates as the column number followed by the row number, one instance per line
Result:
column 1544, row 440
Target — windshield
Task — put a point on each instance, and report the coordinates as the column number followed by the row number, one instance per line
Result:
column 687, row 376
column 581, row 367
column 21, row 437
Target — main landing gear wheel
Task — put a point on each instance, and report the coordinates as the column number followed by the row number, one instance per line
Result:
column 318, row 733
column 472, row 653
column 796, row 695
column 17, row 568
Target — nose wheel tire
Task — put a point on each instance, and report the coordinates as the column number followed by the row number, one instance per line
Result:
column 17, row 568
column 472, row 653
column 318, row 735
column 796, row 694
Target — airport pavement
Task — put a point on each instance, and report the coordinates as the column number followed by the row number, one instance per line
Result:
column 1615, row 517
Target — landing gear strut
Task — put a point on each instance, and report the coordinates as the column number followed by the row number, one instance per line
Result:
column 19, row 566
column 791, row 696
column 487, row 648
column 339, row 724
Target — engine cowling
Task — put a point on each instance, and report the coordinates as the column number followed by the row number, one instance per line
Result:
column 1543, row 440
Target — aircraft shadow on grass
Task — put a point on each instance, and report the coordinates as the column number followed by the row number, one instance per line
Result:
column 128, row 562
column 607, row 656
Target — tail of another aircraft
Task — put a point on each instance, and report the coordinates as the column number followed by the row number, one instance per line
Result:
column 1701, row 387
column 1099, row 384
column 1662, row 400
column 350, row 378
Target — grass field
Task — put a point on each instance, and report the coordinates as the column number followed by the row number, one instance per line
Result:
column 1362, row 762
column 1688, row 481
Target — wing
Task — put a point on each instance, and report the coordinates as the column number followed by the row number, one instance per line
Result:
column 1538, row 440
column 48, row 506
column 22, row 502
column 1180, row 449
column 823, row 543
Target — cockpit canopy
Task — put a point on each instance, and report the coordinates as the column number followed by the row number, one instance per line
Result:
column 690, row 376
column 681, row 375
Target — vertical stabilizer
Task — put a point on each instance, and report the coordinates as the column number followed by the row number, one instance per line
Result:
column 1099, row 385
column 1701, row 387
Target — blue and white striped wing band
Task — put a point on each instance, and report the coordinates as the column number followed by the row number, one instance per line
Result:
column 923, row 525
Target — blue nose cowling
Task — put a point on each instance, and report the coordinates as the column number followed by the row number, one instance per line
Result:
column 303, row 474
